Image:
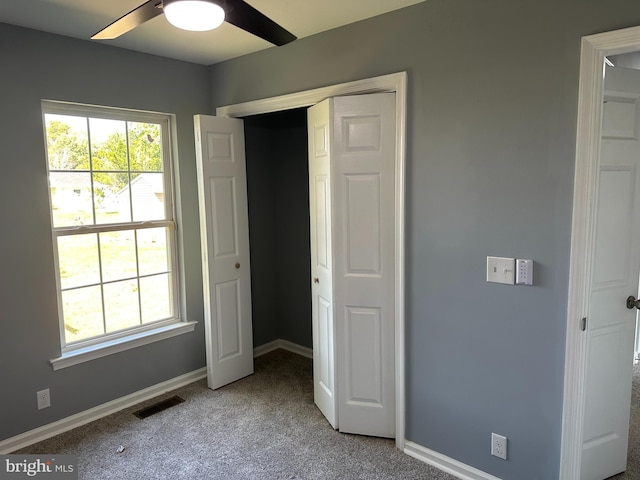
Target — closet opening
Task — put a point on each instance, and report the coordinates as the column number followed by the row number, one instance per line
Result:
column 277, row 167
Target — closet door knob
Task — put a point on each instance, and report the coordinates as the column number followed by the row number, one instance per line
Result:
column 237, row 265
column 316, row 280
column 633, row 303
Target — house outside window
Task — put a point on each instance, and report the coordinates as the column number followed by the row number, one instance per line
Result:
column 113, row 222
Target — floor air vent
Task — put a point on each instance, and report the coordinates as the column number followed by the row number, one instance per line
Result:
column 158, row 407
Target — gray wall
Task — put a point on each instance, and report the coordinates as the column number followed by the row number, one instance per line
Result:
column 35, row 66
column 278, row 192
column 491, row 132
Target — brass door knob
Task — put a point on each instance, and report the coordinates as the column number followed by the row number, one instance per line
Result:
column 316, row 280
column 237, row 265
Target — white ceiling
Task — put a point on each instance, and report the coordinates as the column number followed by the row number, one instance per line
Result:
column 83, row 18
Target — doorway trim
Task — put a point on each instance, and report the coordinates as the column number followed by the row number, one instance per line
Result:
column 594, row 49
column 394, row 82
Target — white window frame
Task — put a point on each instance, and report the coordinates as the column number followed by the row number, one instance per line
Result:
column 109, row 343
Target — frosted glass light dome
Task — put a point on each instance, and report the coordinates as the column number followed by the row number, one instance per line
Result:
column 194, row 15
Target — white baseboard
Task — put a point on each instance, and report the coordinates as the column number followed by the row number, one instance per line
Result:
column 285, row 345
column 82, row 418
column 446, row 464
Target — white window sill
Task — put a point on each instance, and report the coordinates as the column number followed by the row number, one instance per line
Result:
column 110, row 347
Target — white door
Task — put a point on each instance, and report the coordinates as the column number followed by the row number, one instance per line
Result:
column 324, row 374
column 359, row 165
column 224, row 227
column 616, row 267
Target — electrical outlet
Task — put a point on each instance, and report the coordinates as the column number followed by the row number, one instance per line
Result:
column 44, row 400
column 499, row 446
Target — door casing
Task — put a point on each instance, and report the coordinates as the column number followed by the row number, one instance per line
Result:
column 594, row 49
column 395, row 82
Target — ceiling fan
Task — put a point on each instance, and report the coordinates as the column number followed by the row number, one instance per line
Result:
column 200, row 15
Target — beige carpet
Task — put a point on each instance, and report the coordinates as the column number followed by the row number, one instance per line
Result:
column 262, row 427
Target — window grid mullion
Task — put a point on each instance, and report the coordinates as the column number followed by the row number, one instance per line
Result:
column 104, row 310
column 135, row 236
column 93, row 193
column 129, row 172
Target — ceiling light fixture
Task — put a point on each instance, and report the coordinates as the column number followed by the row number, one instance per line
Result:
column 194, row 15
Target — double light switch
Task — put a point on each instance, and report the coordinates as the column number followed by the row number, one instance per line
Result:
column 509, row 271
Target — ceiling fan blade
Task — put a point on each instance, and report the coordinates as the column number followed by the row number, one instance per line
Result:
column 244, row 16
column 131, row 20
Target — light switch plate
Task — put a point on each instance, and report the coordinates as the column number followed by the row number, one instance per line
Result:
column 501, row 270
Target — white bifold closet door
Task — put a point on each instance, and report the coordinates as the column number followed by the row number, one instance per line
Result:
column 352, row 213
column 224, row 229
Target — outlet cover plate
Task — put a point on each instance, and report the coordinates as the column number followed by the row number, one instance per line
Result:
column 44, row 400
column 499, row 446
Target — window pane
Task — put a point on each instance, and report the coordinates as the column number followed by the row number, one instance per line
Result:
column 67, row 142
column 155, row 295
column 118, row 250
column 82, row 313
column 71, row 201
column 78, row 260
column 121, row 305
column 105, row 174
column 152, row 251
column 145, row 149
column 112, row 197
column 147, row 197
column 108, row 144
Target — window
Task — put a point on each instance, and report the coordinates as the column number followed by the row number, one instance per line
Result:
column 114, row 231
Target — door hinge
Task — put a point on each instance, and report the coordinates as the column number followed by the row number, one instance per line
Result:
column 583, row 324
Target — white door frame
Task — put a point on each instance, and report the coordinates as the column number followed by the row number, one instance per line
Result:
column 395, row 82
column 594, row 50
